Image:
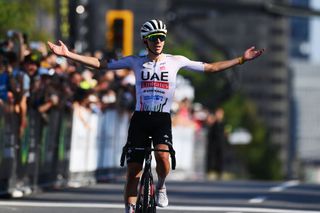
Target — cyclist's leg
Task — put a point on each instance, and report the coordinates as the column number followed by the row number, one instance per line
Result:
column 137, row 136
column 163, row 168
column 163, row 164
column 161, row 138
column 133, row 176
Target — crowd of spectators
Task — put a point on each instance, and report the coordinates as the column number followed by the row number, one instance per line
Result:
column 31, row 78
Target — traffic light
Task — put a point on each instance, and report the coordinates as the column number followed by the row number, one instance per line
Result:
column 120, row 31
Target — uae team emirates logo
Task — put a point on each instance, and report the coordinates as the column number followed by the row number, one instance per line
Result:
column 158, row 84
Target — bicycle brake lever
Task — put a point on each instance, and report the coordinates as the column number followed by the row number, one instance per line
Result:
column 123, row 155
column 173, row 157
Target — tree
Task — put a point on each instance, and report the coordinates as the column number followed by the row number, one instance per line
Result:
column 22, row 16
column 210, row 90
column 261, row 157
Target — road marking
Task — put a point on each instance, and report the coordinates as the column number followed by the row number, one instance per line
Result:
column 279, row 188
column 260, row 199
column 174, row 208
column 60, row 204
column 237, row 209
column 284, row 186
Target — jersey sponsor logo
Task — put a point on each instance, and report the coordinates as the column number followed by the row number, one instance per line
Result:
column 163, row 76
column 153, row 91
column 162, row 85
column 153, row 107
column 153, row 97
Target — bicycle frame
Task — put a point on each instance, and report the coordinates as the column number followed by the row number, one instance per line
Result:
column 146, row 194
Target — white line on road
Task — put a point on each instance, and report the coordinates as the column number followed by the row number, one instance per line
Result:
column 175, row 208
column 260, row 199
column 284, row 186
column 279, row 188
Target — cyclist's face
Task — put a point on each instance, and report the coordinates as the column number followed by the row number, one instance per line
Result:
column 156, row 43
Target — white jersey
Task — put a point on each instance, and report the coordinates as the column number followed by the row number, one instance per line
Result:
column 155, row 80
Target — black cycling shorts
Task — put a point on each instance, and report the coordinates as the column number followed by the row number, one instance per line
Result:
column 145, row 124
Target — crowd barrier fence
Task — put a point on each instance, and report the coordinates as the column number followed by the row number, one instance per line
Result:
column 71, row 148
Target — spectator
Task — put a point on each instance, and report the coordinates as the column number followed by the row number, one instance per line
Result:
column 47, row 94
column 20, row 86
column 88, row 81
column 183, row 115
column 215, row 145
column 74, row 80
column 4, row 80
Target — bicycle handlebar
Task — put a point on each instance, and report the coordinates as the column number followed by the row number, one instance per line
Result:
column 171, row 151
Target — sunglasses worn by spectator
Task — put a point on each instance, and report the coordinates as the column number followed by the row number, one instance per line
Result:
column 154, row 38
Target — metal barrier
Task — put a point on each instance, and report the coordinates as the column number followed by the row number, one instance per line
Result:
column 96, row 145
column 70, row 148
column 8, row 151
column 39, row 158
column 97, row 141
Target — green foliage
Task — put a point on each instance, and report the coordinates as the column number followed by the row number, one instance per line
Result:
column 15, row 15
column 260, row 156
column 21, row 15
column 210, row 89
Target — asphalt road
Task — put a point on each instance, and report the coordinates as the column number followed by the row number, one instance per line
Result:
column 186, row 196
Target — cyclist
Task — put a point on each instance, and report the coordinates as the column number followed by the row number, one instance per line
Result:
column 155, row 76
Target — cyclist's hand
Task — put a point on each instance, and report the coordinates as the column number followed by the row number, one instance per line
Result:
column 252, row 53
column 61, row 50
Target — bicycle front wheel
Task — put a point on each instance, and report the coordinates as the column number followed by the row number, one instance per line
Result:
column 146, row 197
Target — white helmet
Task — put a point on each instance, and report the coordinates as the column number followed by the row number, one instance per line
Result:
column 153, row 26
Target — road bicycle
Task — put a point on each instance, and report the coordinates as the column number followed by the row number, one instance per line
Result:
column 146, row 202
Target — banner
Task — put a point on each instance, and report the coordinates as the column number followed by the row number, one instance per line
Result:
column 84, row 147
column 112, row 136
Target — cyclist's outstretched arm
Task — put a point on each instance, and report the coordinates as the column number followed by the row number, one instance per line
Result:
column 248, row 55
column 62, row 50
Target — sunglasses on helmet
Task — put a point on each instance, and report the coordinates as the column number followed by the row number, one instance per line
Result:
column 154, row 38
